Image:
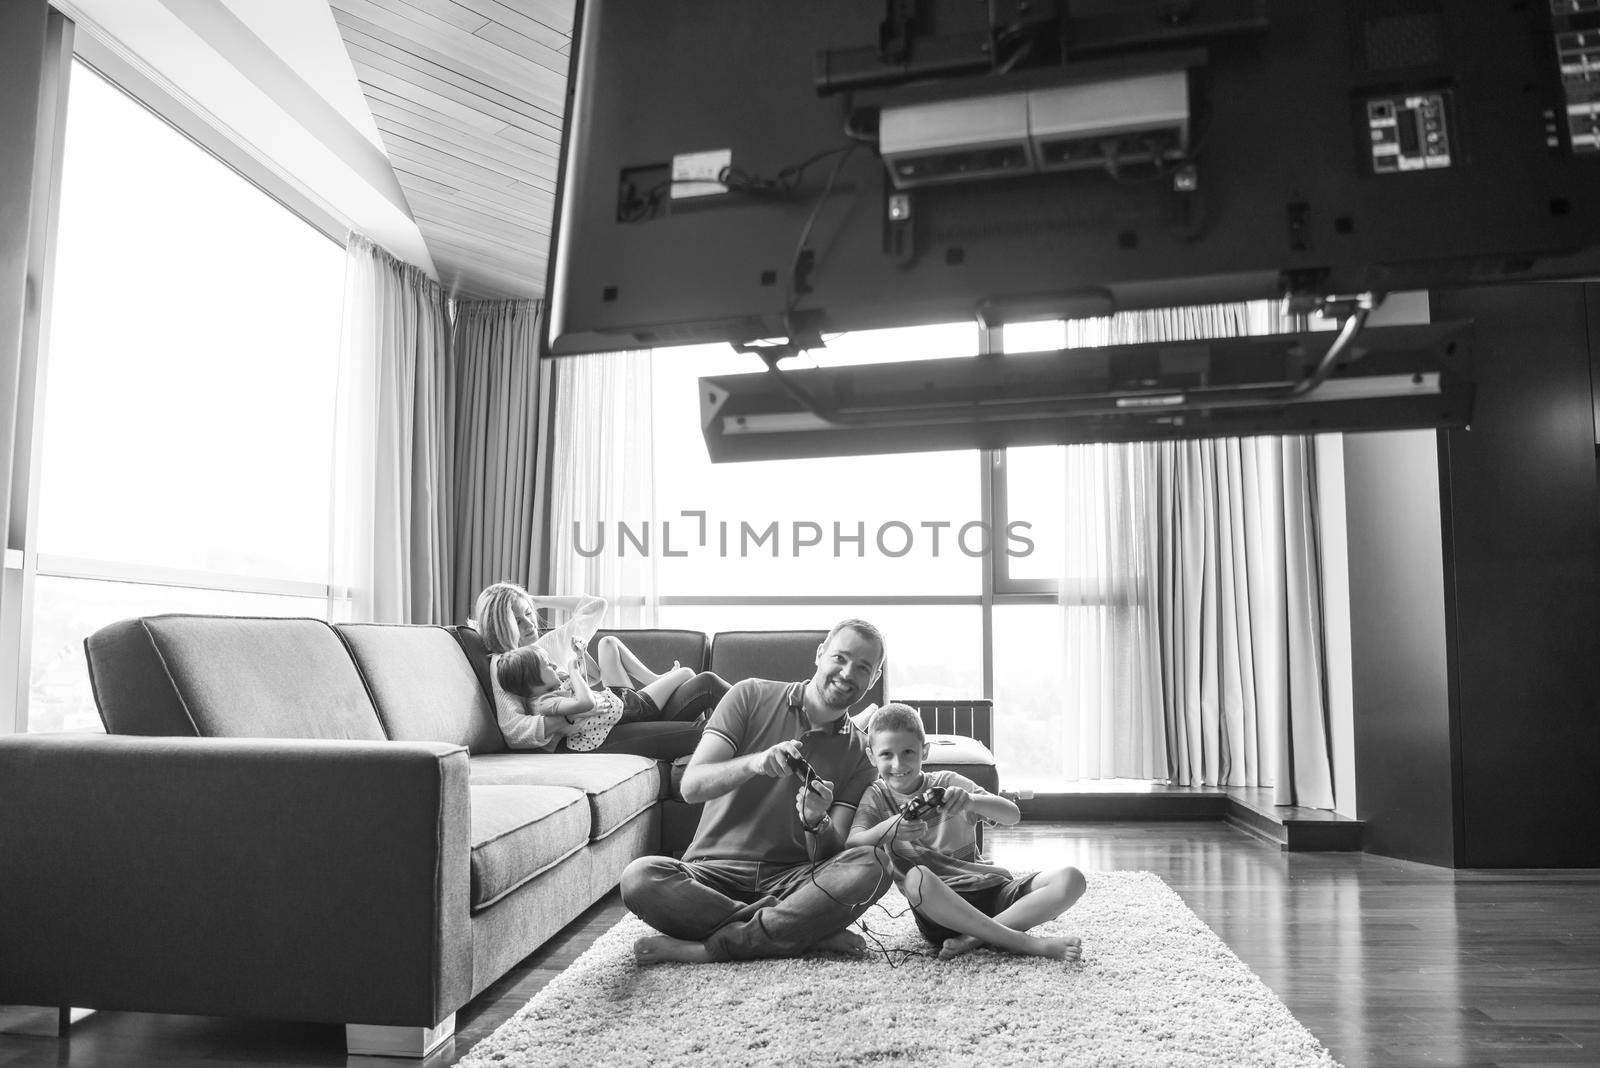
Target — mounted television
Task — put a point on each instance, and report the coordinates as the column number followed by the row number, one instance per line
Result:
column 735, row 170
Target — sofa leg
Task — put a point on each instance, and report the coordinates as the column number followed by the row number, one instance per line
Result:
column 370, row 1040
column 47, row 1020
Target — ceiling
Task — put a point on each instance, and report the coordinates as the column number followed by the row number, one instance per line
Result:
column 468, row 97
column 433, row 127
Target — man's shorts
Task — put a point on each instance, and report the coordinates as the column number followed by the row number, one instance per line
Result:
column 637, row 707
column 991, row 901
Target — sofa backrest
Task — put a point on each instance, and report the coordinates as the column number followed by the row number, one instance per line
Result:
column 659, row 648
column 228, row 677
column 785, row 655
column 423, row 685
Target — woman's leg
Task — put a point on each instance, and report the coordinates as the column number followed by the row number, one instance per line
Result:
column 696, row 697
column 945, row 907
column 663, row 687
column 619, row 667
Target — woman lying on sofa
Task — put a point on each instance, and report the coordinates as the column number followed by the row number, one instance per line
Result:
column 666, row 727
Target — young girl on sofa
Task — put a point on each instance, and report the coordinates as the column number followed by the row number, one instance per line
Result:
column 679, row 699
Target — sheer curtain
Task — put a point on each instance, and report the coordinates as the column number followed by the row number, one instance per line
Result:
column 602, row 476
column 393, row 469
column 1192, row 603
column 498, row 386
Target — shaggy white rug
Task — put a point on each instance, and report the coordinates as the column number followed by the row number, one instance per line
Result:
column 1156, row 987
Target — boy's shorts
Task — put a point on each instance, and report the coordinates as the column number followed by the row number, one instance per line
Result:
column 991, row 901
column 637, row 707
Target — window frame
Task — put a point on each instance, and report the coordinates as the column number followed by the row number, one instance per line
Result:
column 70, row 44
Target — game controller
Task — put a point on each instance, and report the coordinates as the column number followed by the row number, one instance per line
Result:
column 924, row 803
column 802, row 767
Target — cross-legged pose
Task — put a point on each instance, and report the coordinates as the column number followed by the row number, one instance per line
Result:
column 960, row 901
column 768, row 873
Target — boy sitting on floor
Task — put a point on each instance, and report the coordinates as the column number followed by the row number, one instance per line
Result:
column 960, row 901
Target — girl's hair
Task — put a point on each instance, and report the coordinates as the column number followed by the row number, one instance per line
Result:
column 495, row 616
column 893, row 716
column 520, row 670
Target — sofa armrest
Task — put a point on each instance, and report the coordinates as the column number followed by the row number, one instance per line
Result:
column 288, row 879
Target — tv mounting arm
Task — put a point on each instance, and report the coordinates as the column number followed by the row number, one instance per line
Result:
column 1352, row 310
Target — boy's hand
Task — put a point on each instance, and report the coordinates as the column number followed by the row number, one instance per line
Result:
column 956, row 801
column 908, row 837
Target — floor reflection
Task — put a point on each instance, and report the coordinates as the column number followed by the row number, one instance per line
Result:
column 1387, row 962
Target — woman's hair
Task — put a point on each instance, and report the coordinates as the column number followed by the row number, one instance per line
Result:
column 894, row 716
column 495, row 616
column 520, row 670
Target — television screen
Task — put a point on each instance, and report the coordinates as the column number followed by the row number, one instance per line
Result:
column 746, row 169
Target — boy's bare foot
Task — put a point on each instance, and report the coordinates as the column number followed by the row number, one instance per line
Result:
column 656, row 949
column 843, row 940
column 955, row 947
column 1069, row 948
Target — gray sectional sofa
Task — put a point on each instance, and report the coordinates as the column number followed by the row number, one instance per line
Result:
column 292, row 820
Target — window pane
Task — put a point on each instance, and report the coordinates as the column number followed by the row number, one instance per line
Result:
column 66, row 611
column 858, row 525
column 1034, row 337
column 1029, row 699
column 1036, row 494
column 193, row 353
column 933, row 649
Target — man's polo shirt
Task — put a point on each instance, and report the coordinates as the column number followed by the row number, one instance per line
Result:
column 757, row 819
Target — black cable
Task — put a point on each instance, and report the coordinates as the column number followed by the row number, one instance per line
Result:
column 793, row 296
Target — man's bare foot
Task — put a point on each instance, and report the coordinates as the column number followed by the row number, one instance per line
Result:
column 657, row 949
column 955, row 947
column 843, row 940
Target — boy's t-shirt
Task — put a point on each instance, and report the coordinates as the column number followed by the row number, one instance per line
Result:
column 951, row 849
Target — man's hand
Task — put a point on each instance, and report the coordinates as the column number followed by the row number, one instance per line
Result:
column 775, row 761
column 813, row 801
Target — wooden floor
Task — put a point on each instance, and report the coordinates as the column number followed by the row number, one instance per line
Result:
column 1387, row 962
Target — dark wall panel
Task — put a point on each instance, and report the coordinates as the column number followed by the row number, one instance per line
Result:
column 1522, row 542
column 1400, row 690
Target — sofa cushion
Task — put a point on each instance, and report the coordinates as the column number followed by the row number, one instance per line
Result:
column 966, row 756
column 228, row 677
column 784, row 655
column 619, row 785
column 518, row 832
column 659, row 648
column 422, row 684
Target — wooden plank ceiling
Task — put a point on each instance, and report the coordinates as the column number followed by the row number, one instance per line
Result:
column 468, row 96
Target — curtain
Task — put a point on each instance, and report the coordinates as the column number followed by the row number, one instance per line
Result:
column 392, row 526
column 498, row 387
column 602, row 480
column 1192, row 605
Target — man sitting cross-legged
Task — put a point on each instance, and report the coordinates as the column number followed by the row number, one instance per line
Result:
column 768, row 874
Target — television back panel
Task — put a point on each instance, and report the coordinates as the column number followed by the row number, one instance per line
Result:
column 1328, row 148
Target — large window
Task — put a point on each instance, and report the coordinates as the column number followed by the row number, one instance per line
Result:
column 188, row 424
column 917, row 543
